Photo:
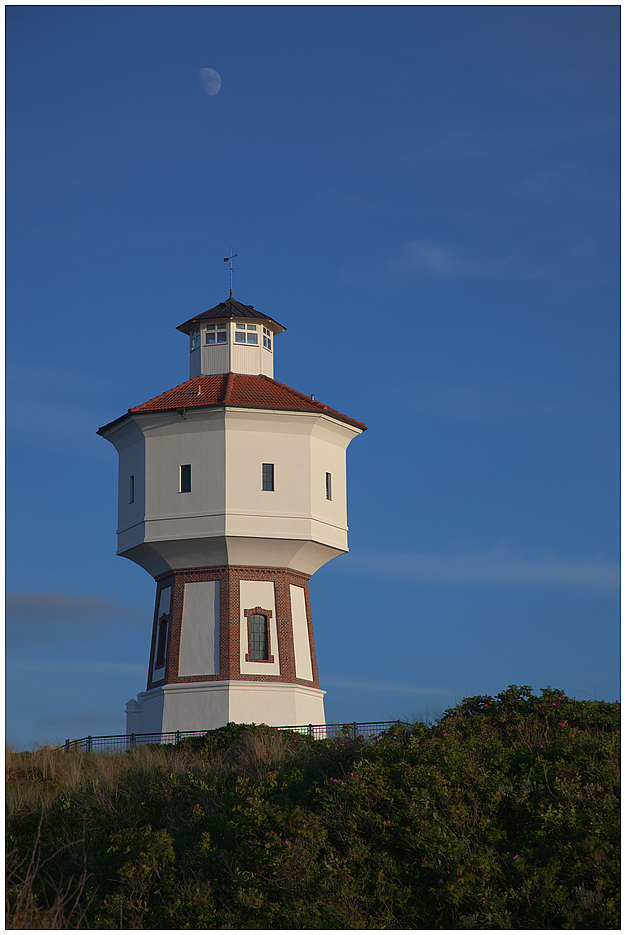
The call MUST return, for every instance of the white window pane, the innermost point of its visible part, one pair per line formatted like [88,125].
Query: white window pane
[210,338]
[253,339]
[221,337]
[240,327]
[240,338]
[251,327]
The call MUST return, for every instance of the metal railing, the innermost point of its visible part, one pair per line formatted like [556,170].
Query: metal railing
[116,743]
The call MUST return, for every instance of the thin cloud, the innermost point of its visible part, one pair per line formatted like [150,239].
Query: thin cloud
[501,402]
[53,617]
[437,259]
[566,183]
[460,145]
[346,681]
[498,567]
[74,665]
[86,721]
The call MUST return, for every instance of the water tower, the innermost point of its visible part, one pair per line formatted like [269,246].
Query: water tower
[232,493]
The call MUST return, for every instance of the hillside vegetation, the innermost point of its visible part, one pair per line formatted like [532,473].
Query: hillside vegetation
[504,814]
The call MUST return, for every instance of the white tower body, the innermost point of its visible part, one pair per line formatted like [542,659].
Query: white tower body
[232,493]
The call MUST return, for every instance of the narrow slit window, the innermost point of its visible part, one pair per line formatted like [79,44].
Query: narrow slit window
[195,339]
[329,486]
[159,662]
[185,478]
[268,477]
[258,637]
[131,490]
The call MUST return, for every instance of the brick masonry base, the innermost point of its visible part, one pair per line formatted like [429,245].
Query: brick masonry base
[230,630]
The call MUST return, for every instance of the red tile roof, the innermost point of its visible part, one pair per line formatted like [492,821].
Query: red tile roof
[237,389]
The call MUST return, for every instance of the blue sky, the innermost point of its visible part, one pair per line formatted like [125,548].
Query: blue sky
[427,197]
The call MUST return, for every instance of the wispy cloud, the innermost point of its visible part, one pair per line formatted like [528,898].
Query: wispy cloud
[438,259]
[497,567]
[346,681]
[460,145]
[495,402]
[73,665]
[53,617]
[83,721]
[566,183]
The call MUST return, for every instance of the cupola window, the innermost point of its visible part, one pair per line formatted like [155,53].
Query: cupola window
[267,339]
[246,334]
[216,334]
[195,339]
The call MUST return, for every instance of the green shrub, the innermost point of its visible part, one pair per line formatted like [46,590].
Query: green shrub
[504,814]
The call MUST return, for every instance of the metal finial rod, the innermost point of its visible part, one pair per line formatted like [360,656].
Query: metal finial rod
[230,267]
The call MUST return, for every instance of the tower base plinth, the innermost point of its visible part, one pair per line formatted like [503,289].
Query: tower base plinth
[208,705]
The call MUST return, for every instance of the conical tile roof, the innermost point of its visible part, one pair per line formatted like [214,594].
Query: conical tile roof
[236,390]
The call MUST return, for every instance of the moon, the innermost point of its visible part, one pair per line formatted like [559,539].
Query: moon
[210,81]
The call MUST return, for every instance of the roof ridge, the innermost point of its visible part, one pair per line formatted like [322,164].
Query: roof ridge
[179,387]
[228,392]
[296,392]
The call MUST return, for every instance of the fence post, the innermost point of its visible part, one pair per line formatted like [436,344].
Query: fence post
[89,744]
[177,736]
[310,730]
[354,730]
[133,741]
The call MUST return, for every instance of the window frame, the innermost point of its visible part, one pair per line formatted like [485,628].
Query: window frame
[260,612]
[268,477]
[329,485]
[184,478]
[216,330]
[131,489]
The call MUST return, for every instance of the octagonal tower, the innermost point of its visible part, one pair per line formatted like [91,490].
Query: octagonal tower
[232,493]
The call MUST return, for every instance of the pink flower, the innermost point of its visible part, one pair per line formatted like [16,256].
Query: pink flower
[541,746]
[561,723]
[515,856]
[439,881]
[555,704]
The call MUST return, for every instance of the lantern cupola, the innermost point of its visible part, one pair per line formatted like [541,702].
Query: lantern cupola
[231,338]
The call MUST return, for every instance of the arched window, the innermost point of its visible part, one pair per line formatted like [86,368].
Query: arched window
[259,648]
[258,637]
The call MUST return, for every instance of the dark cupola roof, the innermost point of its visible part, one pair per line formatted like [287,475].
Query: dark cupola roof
[229,309]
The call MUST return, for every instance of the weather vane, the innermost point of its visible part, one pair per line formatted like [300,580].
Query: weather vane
[230,267]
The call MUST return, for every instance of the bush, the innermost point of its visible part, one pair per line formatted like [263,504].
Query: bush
[504,814]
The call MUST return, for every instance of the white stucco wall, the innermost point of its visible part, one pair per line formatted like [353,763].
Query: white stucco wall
[199,640]
[207,705]
[227,511]
[301,645]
